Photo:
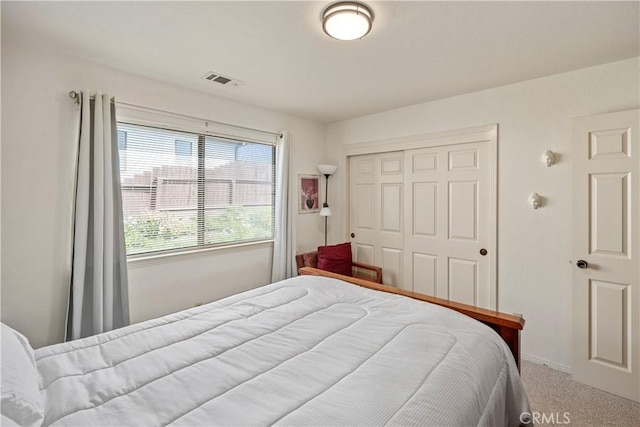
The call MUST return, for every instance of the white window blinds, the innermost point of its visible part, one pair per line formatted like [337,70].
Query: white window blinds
[187,189]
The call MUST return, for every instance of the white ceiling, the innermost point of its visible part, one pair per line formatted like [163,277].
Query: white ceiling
[416,52]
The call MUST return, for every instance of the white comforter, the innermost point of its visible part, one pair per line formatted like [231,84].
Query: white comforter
[304,351]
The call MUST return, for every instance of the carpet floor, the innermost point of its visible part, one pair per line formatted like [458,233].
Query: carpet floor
[559,400]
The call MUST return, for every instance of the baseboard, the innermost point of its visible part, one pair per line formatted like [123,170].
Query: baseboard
[552,365]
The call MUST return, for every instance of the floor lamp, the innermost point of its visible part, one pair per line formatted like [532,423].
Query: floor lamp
[327,171]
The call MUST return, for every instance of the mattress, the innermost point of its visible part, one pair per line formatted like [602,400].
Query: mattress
[305,351]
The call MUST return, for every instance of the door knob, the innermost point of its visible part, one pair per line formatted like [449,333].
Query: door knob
[353,234]
[582,264]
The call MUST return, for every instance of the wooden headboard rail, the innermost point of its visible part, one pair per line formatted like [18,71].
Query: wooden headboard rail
[506,325]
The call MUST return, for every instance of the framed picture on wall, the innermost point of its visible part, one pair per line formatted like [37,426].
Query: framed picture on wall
[308,199]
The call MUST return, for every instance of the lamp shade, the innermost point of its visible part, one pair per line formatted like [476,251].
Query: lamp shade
[325,211]
[347,20]
[327,169]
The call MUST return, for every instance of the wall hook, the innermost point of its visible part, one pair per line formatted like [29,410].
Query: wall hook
[549,158]
[535,200]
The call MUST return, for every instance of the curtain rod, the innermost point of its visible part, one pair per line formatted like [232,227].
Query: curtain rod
[76,96]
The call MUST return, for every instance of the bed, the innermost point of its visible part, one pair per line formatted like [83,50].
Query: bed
[310,350]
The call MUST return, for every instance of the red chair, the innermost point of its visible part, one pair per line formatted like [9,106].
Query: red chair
[360,270]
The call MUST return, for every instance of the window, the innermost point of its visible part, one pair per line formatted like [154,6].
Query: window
[122,149]
[122,140]
[184,190]
[183,148]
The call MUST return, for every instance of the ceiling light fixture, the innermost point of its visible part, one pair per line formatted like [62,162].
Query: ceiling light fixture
[347,20]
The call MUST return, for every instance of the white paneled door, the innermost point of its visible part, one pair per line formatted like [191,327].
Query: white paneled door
[376,219]
[427,214]
[606,246]
[447,233]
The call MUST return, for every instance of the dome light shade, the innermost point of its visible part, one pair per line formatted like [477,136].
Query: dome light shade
[347,20]
[325,212]
[327,169]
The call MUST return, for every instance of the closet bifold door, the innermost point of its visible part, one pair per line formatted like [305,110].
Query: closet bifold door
[376,213]
[447,217]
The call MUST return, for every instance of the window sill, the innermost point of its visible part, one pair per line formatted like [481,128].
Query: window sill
[162,258]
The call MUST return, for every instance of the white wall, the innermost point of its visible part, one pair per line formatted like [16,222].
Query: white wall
[534,247]
[38,155]
[37,167]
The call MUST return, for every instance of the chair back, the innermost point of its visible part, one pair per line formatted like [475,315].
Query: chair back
[361,270]
[307,259]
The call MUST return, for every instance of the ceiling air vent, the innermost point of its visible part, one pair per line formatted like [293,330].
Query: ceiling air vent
[223,80]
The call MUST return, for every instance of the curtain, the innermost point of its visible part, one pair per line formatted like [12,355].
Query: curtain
[99,294]
[284,237]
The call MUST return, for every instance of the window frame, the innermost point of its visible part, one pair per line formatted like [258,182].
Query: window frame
[201,208]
